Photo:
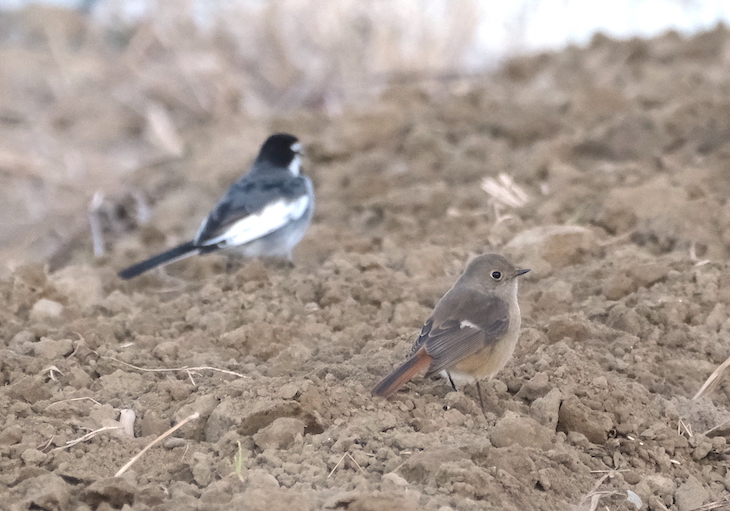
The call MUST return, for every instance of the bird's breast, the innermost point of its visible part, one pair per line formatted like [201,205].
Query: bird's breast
[490,360]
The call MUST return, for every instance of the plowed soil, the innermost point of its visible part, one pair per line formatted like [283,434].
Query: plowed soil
[622,150]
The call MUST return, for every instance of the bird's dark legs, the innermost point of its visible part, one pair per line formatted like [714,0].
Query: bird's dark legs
[481,400]
[451,381]
[479,392]
[234,261]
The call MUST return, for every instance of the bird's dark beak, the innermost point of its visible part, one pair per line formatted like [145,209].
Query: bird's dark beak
[521,272]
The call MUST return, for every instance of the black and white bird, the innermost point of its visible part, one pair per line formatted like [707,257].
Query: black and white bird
[263,214]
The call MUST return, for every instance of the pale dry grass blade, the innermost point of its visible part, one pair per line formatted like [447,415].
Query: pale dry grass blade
[348,455]
[187,369]
[161,130]
[589,501]
[713,379]
[85,398]
[157,440]
[718,505]
[715,428]
[87,436]
[505,191]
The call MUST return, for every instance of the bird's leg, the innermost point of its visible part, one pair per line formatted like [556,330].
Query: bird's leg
[481,401]
[234,262]
[277,263]
[451,381]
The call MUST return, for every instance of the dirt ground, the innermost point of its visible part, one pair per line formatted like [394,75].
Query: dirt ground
[622,150]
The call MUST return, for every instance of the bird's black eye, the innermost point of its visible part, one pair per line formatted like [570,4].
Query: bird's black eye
[496,275]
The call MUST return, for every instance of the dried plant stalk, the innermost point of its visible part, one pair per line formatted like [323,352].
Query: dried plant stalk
[713,380]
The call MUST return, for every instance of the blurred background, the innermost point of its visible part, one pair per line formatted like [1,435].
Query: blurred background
[98,94]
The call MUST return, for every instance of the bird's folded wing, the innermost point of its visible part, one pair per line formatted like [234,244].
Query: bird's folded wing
[451,340]
[233,230]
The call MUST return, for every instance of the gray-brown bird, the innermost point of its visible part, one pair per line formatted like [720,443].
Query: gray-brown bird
[472,331]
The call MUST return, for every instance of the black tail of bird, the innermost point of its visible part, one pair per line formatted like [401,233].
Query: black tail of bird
[172,255]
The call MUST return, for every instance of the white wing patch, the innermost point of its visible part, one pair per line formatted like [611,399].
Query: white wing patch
[467,324]
[256,225]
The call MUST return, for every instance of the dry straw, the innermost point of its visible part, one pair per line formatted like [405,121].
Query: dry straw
[713,380]
[155,442]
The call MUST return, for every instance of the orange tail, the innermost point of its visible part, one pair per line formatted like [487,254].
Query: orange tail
[396,379]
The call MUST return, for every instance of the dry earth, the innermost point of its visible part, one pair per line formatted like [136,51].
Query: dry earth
[623,151]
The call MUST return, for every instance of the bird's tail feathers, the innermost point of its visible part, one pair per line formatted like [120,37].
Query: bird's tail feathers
[167,257]
[391,383]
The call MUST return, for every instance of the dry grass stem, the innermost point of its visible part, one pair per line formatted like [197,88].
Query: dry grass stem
[155,442]
[76,399]
[723,503]
[505,191]
[693,255]
[189,370]
[51,370]
[681,425]
[589,502]
[347,454]
[45,445]
[713,380]
[87,436]
[713,428]
[616,239]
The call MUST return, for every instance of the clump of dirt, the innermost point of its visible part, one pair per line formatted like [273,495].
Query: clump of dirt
[621,151]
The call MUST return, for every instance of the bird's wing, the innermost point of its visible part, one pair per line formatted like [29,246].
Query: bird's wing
[464,329]
[253,208]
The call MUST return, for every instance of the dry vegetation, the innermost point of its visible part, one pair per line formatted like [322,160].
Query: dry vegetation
[604,169]
[97,103]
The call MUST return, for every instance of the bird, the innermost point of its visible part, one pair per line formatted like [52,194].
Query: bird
[471,332]
[265,213]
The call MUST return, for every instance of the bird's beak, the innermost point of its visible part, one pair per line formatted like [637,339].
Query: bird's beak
[521,272]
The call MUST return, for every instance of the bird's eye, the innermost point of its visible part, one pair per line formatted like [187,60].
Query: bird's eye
[496,275]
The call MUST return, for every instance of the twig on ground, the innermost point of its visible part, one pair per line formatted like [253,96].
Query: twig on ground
[693,255]
[87,436]
[713,428]
[594,495]
[505,191]
[347,454]
[687,428]
[616,239]
[713,379]
[155,442]
[75,399]
[51,370]
[45,445]
[717,505]
[188,370]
